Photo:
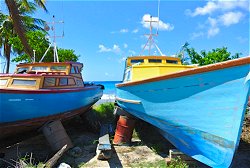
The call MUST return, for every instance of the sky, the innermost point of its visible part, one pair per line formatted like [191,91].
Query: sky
[104,33]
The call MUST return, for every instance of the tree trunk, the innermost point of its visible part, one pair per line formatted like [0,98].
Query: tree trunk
[7,48]
[18,26]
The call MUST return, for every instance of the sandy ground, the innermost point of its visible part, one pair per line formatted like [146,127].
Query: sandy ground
[122,156]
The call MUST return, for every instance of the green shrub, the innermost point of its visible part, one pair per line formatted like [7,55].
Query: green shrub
[177,163]
[104,111]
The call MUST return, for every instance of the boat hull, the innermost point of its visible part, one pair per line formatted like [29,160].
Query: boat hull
[201,113]
[25,110]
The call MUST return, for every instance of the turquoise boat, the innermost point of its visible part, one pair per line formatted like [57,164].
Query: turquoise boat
[199,110]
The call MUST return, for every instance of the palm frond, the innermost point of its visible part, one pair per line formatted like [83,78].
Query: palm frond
[41,3]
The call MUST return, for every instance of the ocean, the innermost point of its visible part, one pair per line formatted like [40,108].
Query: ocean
[109,91]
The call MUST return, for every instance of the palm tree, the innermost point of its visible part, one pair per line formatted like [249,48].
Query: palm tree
[7,30]
[18,23]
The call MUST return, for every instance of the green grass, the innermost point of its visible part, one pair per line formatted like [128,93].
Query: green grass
[175,163]
[104,112]
[29,162]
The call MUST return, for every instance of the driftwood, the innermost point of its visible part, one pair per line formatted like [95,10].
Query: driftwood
[52,161]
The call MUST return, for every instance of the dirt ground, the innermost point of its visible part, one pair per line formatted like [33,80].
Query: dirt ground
[142,149]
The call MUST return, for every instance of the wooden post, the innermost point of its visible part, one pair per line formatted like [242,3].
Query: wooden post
[56,135]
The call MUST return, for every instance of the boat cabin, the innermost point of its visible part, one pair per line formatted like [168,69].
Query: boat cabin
[52,75]
[142,67]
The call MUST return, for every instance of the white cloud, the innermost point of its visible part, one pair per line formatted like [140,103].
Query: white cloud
[207,9]
[233,4]
[102,48]
[156,24]
[125,45]
[224,13]
[116,49]
[212,6]
[135,31]
[230,18]
[196,35]
[132,52]
[124,31]
[213,29]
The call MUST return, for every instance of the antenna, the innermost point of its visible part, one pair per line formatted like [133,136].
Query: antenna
[53,28]
[150,40]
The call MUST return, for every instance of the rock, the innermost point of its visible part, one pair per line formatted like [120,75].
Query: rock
[75,152]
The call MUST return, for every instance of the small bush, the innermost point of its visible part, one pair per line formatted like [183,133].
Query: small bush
[177,163]
[104,112]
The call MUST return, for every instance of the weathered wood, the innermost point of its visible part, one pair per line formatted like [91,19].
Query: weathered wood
[104,147]
[52,161]
[56,135]
[104,142]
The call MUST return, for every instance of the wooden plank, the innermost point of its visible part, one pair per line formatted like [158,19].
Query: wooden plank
[104,142]
[104,147]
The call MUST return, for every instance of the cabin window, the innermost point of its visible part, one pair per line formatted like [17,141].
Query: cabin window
[73,71]
[71,81]
[39,68]
[3,82]
[154,60]
[137,61]
[49,81]
[172,61]
[22,70]
[58,68]
[63,81]
[24,82]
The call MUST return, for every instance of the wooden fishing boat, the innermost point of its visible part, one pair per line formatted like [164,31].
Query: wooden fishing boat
[40,92]
[199,110]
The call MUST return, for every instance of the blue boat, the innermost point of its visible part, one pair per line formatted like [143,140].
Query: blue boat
[41,92]
[199,110]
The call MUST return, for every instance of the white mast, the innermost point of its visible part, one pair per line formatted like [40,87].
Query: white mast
[150,40]
[53,28]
